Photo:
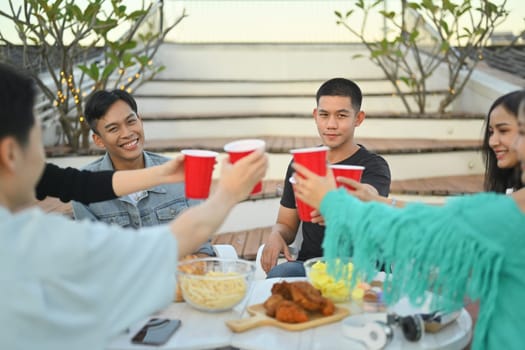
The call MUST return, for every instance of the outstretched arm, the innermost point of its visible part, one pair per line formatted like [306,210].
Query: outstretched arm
[73,184]
[313,190]
[367,193]
[129,181]
[89,187]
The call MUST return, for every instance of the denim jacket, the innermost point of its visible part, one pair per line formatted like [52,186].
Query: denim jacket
[156,206]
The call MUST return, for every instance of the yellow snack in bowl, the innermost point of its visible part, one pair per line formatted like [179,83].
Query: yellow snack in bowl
[358,293]
[337,291]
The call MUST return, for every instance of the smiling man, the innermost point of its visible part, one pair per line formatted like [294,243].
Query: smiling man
[117,127]
[337,115]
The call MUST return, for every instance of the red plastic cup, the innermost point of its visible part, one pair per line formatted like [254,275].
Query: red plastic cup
[351,171]
[313,158]
[198,169]
[241,148]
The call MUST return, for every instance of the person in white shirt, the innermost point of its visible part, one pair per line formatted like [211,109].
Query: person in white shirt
[75,285]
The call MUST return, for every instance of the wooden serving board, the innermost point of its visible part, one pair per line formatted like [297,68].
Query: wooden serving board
[259,318]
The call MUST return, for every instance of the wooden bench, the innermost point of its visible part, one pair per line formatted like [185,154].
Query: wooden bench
[246,242]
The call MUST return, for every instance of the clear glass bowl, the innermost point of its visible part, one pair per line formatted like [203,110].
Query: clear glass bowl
[336,290]
[215,284]
[368,297]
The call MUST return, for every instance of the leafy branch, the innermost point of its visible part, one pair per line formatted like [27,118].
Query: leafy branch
[418,42]
[72,51]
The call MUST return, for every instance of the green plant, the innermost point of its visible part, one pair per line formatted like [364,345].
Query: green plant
[410,52]
[72,51]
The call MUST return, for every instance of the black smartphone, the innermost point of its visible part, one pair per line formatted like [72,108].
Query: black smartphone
[156,332]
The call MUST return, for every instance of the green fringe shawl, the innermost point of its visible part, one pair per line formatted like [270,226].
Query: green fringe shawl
[430,248]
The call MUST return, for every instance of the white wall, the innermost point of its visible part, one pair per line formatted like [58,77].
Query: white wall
[265,61]
[481,90]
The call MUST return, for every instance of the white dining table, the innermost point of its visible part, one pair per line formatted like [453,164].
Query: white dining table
[203,330]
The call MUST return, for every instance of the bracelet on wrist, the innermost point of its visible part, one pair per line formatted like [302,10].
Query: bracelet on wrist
[393,202]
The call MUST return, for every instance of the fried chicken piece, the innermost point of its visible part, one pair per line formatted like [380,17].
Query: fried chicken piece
[283,289]
[289,312]
[271,304]
[290,302]
[327,308]
[304,294]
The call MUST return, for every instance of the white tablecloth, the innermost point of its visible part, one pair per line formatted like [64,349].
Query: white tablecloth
[201,330]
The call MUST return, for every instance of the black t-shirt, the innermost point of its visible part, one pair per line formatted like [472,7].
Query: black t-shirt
[376,173]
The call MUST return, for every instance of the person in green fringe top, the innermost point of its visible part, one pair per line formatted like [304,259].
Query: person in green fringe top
[470,247]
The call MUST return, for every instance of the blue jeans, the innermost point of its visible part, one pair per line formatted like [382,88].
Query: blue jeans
[287,269]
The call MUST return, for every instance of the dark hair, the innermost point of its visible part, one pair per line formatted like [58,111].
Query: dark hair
[497,179]
[17,97]
[100,101]
[341,87]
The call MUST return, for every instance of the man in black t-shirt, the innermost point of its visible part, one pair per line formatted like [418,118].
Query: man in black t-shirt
[337,115]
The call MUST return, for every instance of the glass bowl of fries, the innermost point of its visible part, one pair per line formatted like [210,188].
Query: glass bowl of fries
[215,284]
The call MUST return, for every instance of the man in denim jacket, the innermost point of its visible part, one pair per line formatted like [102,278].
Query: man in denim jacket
[117,127]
